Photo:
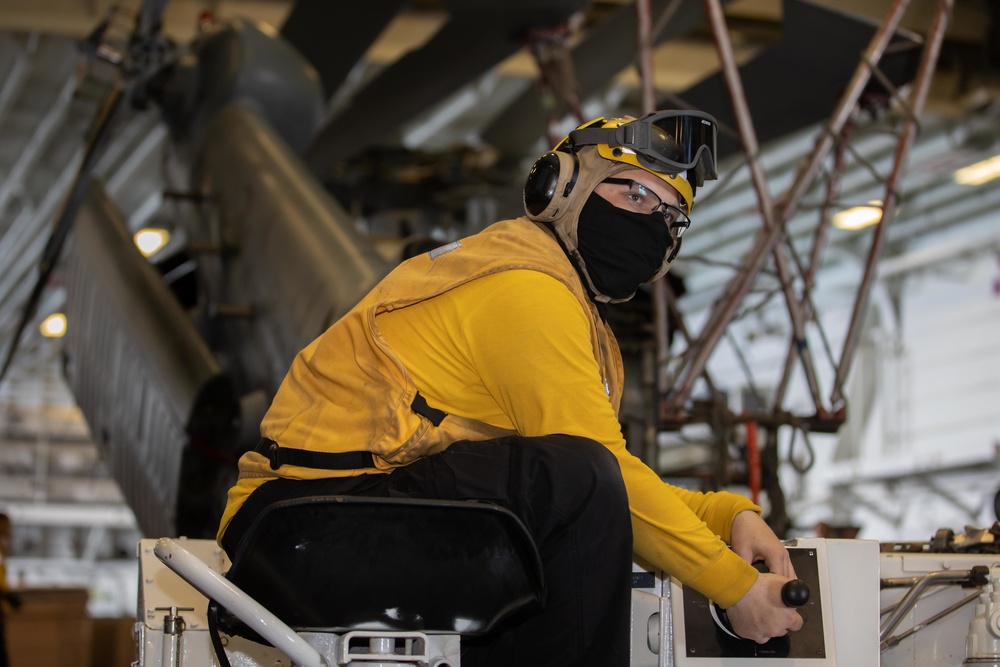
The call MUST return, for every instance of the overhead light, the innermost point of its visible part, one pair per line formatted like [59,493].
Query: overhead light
[53,326]
[979,173]
[150,240]
[859,217]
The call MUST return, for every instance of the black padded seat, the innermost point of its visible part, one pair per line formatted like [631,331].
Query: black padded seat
[339,563]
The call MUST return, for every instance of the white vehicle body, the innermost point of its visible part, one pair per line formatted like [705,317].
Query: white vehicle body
[854,616]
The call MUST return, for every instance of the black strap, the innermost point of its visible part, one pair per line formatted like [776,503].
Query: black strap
[419,405]
[304,458]
[213,633]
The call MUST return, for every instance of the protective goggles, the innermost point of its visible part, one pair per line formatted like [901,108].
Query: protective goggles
[668,142]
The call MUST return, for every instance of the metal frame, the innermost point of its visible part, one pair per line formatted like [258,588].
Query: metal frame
[678,381]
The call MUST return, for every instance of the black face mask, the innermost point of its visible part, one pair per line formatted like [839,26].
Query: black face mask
[621,249]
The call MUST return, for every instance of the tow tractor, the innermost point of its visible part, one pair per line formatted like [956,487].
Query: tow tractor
[324,582]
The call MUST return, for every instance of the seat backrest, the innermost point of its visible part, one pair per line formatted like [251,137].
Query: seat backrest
[344,562]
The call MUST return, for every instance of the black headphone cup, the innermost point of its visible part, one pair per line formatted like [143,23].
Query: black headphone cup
[551,178]
[540,186]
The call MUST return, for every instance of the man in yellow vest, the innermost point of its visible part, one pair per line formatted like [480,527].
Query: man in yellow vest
[485,370]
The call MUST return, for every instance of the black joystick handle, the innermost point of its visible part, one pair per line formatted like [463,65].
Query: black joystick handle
[795,593]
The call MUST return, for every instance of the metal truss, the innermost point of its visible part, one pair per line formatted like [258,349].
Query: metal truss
[678,375]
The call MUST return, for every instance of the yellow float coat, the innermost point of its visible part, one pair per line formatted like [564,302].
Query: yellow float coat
[497,332]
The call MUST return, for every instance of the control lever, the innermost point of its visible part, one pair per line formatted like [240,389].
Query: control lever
[795,593]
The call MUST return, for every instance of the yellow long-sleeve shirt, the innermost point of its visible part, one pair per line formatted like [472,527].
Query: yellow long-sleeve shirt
[513,349]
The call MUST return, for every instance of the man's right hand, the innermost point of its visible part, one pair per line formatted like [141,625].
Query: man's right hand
[760,614]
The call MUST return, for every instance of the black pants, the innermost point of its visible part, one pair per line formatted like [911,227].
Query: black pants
[569,493]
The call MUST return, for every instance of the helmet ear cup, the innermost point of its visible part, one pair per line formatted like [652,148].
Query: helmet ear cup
[549,184]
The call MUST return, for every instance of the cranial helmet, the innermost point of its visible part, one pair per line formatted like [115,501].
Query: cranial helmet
[676,146]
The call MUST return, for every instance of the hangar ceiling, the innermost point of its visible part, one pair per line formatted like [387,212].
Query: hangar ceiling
[438,105]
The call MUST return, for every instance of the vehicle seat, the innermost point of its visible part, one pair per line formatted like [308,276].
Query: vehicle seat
[339,563]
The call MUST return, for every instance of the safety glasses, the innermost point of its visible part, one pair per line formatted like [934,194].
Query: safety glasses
[644,200]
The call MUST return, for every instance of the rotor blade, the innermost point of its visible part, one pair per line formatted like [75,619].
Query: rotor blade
[603,52]
[110,110]
[334,36]
[472,42]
